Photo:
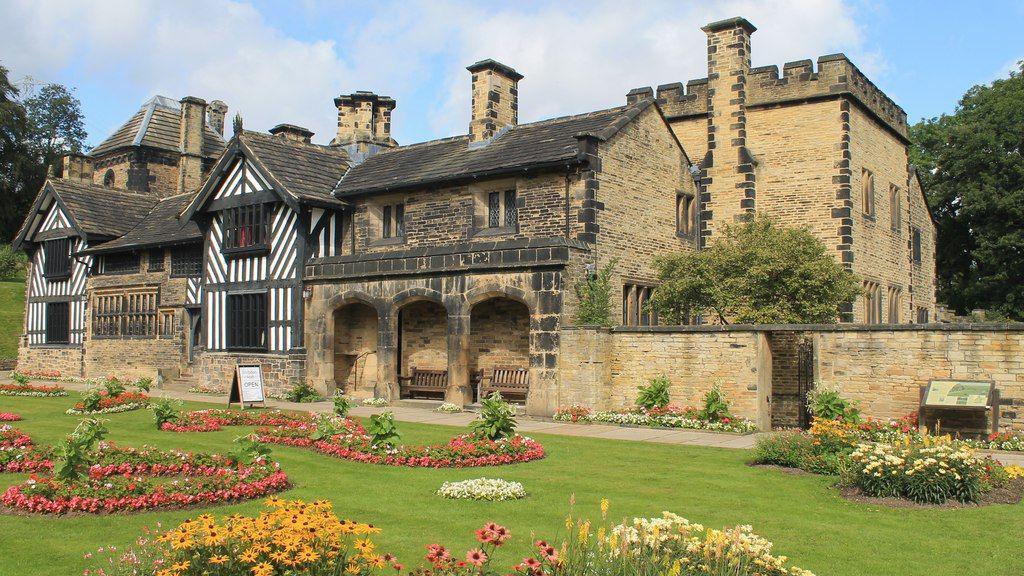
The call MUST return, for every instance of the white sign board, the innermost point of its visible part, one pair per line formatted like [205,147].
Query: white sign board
[248,384]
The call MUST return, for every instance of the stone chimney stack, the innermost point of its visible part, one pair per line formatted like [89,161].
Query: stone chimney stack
[729,179]
[292,132]
[364,122]
[190,164]
[215,114]
[77,167]
[495,99]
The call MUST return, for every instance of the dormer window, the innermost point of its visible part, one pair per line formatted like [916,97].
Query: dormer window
[246,228]
[57,258]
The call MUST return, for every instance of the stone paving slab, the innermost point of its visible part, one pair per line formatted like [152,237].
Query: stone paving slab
[526,424]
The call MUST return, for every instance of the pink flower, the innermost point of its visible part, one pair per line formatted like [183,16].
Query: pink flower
[476,557]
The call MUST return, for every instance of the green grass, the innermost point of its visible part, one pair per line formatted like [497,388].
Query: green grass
[806,519]
[12,310]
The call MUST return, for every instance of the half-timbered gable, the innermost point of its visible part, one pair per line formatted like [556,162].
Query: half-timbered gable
[265,210]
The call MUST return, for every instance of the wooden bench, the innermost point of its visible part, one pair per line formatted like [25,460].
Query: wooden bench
[510,381]
[431,382]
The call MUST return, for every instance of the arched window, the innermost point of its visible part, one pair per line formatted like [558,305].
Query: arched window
[684,213]
[108,179]
[868,192]
[895,208]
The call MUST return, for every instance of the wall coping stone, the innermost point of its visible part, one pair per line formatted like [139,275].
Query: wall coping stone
[932,327]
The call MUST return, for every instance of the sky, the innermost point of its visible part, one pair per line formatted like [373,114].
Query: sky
[284,62]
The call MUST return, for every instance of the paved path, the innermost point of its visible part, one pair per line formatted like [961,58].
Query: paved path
[425,415]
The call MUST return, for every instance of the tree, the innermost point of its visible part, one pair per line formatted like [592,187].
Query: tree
[34,133]
[594,293]
[756,272]
[972,169]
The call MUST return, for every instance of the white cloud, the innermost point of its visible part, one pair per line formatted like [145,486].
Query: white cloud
[575,57]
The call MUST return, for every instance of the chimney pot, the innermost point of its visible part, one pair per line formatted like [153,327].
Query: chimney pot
[364,122]
[495,99]
[215,114]
[292,132]
[190,163]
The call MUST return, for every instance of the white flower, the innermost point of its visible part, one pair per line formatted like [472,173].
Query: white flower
[492,489]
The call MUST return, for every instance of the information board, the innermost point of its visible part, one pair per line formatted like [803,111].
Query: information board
[247,387]
[958,393]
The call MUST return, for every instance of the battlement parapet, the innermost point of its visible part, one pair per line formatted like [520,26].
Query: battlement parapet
[835,76]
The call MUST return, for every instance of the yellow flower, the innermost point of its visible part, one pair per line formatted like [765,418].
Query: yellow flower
[218,559]
[180,566]
[250,556]
[263,569]
[604,507]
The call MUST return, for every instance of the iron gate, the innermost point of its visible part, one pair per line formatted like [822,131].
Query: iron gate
[804,380]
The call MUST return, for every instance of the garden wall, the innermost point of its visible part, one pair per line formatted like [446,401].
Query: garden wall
[884,367]
[881,366]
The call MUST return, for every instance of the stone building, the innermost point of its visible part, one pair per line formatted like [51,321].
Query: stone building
[113,273]
[817,147]
[365,265]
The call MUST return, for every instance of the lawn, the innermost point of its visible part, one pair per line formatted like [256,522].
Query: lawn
[806,519]
[12,310]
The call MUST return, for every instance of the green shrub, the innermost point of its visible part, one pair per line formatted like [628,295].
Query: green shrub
[114,387]
[716,407]
[383,430]
[248,449]
[594,293]
[11,262]
[789,449]
[325,428]
[654,395]
[73,452]
[302,392]
[828,404]
[826,463]
[91,400]
[19,378]
[144,384]
[165,410]
[497,418]
[342,404]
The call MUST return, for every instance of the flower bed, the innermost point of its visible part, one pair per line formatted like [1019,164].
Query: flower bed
[448,408]
[1000,441]
[924,473]
[38,390]
[213,420]
[664,417]
[19,454]
[205,389]
[491,489]
[463,451]
[108,404]
[9,417]
[375,402]
[126,479]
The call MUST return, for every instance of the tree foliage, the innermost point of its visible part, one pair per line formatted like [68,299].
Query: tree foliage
[36,128]
[756,272]
[594,293]
[972,169]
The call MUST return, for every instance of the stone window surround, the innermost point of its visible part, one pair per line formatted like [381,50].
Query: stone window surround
[635,294]
[481,208]
[867,202]
[375,208]
[896,209]
[872,302]
[686,214]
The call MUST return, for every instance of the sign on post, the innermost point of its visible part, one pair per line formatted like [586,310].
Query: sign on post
[247,387]
[961,395]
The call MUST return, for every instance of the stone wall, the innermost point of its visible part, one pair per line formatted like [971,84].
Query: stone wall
[355,349]
[281,372]
[68,360]
[424,337]
[884,368]
[602,368]
[499,335]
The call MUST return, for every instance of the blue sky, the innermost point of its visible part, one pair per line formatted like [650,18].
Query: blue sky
[276,61]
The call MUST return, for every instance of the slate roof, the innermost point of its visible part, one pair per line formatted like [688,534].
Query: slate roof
[102,211]
[160,227]
[157,124]
[305,171]
[548,142]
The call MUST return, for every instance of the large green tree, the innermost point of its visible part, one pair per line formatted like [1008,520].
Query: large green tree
[756,272]
[34,133]
[972,168]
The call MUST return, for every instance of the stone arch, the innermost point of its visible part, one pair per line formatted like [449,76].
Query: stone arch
[415,294]
[419,319]
[355,347]
[499,332]
[492,290]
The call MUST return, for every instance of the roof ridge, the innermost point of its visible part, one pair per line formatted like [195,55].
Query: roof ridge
[271,138]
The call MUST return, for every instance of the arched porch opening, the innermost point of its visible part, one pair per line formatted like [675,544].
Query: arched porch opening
[355,349]
[422,347]
[499,344]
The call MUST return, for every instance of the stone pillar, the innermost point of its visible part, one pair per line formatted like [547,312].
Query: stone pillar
[459,391]
[495,99]
[729,165]
[215,114]
[190,164]
[387,357]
